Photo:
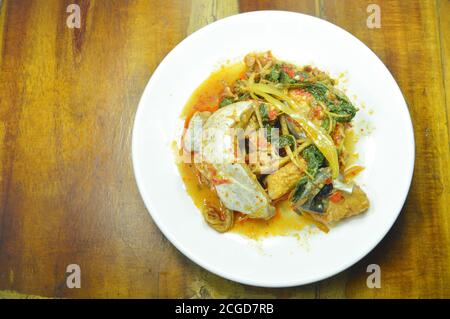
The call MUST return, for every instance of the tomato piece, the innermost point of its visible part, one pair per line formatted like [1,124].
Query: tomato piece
[290,72]
[272,114]
[336,197]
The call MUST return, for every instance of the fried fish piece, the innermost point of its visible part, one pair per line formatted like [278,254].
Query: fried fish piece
[351,204]
[283,180]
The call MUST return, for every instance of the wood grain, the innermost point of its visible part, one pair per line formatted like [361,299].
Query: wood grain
[443,12]
[412,256]
[67,190]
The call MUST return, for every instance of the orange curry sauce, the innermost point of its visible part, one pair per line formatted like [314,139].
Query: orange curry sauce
[206,98]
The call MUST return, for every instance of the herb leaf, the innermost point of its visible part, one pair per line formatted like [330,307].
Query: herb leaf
[264,111]
[285,79]
[299,189]
[274,74]
[314,159]
[243,96]
[344,107]
[340,106]
[285,140]
[325,123]
[226,101]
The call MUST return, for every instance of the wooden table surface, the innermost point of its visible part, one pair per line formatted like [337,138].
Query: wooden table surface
[67,190]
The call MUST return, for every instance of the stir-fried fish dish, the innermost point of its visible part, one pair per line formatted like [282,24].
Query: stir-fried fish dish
[264,133]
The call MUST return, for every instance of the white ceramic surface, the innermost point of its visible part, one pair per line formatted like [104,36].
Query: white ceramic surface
[387,152]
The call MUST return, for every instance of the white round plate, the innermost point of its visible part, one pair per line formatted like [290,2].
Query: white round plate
[387,152]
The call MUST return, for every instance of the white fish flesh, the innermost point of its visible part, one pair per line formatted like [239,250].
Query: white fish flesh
[236,186]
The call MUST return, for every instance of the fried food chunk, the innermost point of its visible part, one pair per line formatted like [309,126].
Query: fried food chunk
[282,181]
[351,204]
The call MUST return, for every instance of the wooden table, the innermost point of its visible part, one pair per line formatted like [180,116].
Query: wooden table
[67,190]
